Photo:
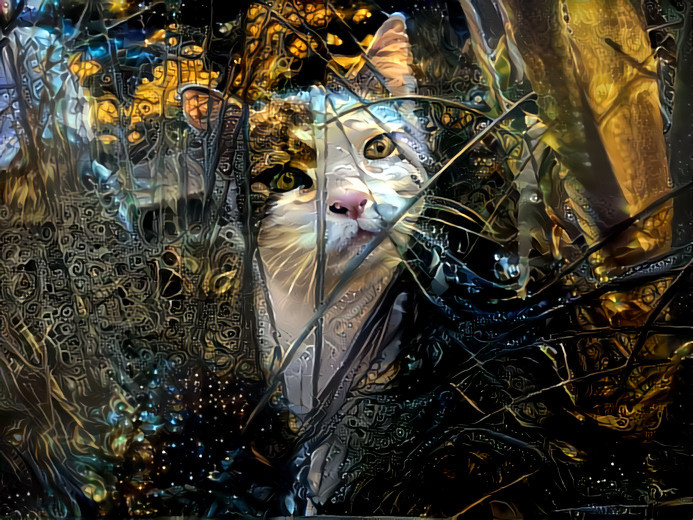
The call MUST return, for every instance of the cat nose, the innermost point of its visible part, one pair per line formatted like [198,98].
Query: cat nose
[351,203]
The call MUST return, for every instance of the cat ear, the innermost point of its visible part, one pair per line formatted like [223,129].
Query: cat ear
[202,107]
[390,55]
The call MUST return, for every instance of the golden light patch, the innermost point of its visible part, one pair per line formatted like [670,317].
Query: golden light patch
[107,113]
[157,37]
[160,96]
[333,39]
[117,6]
[360,15]
[298,48]
[347,62]
[83,69]
[319,17]
[107,139]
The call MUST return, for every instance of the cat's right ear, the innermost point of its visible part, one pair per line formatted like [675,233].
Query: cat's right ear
[202,107]
[390,55]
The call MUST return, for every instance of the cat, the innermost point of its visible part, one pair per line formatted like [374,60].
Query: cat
[371,153]
[346,154]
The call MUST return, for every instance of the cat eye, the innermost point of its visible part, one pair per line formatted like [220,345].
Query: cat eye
[290,179]
[380,147]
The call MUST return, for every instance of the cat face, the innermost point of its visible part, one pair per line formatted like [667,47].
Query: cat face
[347,157]
[370,162]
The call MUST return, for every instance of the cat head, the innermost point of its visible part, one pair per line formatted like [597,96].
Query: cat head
[346,153]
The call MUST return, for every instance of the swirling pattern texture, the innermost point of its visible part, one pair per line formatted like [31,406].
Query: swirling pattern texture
[528,358]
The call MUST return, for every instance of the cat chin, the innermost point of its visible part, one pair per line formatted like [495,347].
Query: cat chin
[292,268]
[347,239]
[293,301]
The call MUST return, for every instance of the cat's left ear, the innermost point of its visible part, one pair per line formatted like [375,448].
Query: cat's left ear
[390,55]
[202,107]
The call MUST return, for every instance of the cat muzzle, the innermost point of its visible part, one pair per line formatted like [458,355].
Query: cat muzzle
[387,211]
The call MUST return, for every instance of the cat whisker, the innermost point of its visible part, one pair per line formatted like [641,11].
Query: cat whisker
[441,203]
[312,279]
[465,229]
[277,254]
[281,253]
[277,257]
[300,270]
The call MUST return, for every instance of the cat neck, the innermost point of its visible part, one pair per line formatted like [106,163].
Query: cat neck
[340,326]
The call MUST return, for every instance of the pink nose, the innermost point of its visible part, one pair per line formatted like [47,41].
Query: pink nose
[351,203]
